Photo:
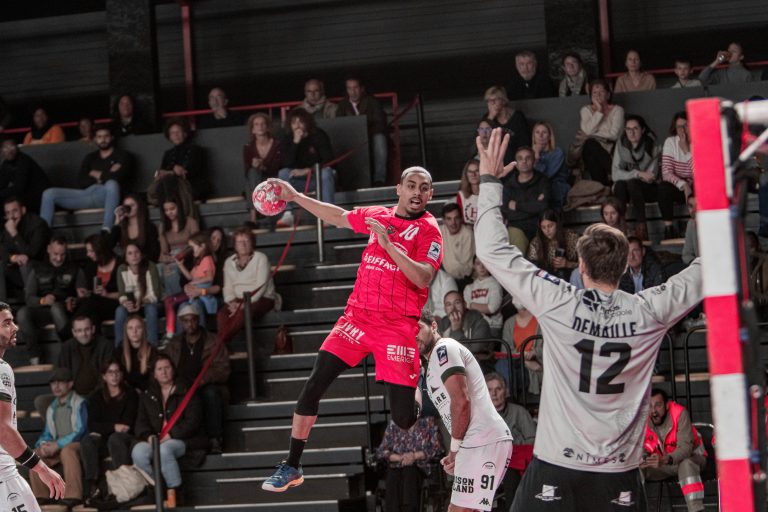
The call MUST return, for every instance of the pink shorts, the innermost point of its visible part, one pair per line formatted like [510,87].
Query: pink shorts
[390,338]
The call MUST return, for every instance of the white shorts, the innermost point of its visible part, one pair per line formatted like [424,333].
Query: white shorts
[478,473]
[16,495]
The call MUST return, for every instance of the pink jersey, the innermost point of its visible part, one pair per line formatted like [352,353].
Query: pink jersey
[381,285]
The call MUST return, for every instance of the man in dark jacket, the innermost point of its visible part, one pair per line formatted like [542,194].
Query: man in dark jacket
[464,324]
[84,354]
[526,194]
[644,268]
[20,176]
[527,82]
[23,239]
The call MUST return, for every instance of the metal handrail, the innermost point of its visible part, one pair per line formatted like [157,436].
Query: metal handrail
[686,362]
[503,343]
[523,348]
[669,71]
[671,350]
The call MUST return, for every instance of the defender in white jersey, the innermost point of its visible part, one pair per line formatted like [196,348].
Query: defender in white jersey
[15,494]
[600,348]
[481,444]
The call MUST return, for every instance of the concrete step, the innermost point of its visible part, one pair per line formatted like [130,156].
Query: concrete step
[269,459]
[347,384]
[327,435]
[284,409]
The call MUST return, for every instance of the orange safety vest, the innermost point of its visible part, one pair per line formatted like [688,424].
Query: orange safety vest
[652,444]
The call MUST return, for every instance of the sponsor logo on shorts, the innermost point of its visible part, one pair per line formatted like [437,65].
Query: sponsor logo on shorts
[400,354]
[624,499]
[490,466]
[434,251]
[442,355]
[485,502]
[548,493]
[349,331]
[463,484]
[547,276]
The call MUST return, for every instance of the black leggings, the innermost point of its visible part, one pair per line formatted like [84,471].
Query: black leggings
[638,193]
[402,401]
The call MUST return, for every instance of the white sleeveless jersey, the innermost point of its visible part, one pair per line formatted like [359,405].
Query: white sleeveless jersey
[449,357]
[599,350]
[7,394]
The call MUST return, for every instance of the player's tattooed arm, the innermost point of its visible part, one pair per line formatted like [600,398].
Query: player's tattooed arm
[329,213]
[418,273]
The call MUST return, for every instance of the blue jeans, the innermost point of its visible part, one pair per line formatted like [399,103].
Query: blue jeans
[379,141]
[106,195]
[327,177]
[150,322]
[169,452]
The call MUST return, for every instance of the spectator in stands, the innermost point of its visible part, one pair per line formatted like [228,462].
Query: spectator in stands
[112,410]
[66,422]
[683,74]
[220,252]
[500,114]
[691,243]
[248,270]
[635,79]
[458,245]
[550,161]
[175,232]
[189,351]
[644,269]
[441,284]
[156,407]
[21,177]
[517,329]
[674,449]
[553,248]
[575,82]
[526,195]
[484,295]
[601,125]
[126,117]
[484,128]
[676,172]
[527,82]
[23,239]
[140,290]
[101,177]
[262,156]
[50,295]
[98,298]
[315,101]
[469,188]
[132,224]
[634,170]
[83,354]
[42,130]
[182,172]
[220,116]
[85,129]
[614,213]
[137,354]
[735,73]
[464,324]
[305,146]
[408,454]
[358,102]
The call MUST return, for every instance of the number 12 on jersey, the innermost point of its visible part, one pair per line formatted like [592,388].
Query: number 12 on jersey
[604,387]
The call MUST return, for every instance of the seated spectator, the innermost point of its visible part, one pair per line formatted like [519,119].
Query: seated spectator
[553,248]
[141,289]
[132,224]
[98,299]
[676,172]
[182,172]
[137,354]
[575,82]
[458,245]
[200,276]
[527,82]
[357,102]
[635,79]
[21,177]
[735,73]
[262,156]
[43,131]
[674,449]
[549,160]
[126,118]
[175,232]
[691,243]
[614,213]
[66,422]
[469,191]
[644,269]
[464,324]
[526,195]
[500,114]
[23,240]
[84,354]
[112,410]
[484,295]
[516,331]
[483,132]
[601,125]
[101,177]
[249,271]
[305,146]
[188,352]
[50,293]
[220,116]
[441,284]
[683,74]
[220,252]
[156,407]
[85,129]
[634,170]
[408,454]
[315,101]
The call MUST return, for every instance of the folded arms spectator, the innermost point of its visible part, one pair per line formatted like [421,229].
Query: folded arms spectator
[526,196]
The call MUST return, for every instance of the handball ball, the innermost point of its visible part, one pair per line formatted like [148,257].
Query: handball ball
[266,198]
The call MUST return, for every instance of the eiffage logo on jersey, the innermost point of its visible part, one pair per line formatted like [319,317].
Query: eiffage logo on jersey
[400,354]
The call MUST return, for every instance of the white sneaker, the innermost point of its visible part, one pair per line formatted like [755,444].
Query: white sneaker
[286,221]
[34,361]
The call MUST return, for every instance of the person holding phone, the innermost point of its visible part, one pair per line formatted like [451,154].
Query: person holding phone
[141,289]
[553,248]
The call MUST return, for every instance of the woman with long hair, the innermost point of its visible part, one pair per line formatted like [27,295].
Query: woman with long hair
[550,161]
[137,353]
[614,213]
[132,224]
[99,299]
[553,248]
[469,191]
[262,156]
[175,231]
[140,291]
[676,172]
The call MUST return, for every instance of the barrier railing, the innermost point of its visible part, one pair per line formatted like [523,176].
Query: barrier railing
[671,71]
[503,345]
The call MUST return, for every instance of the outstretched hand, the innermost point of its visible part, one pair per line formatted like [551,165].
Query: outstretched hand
[51,479]
[287,192]
[492,157]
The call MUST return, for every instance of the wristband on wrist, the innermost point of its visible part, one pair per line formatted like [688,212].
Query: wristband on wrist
[455,444]
[28,458]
